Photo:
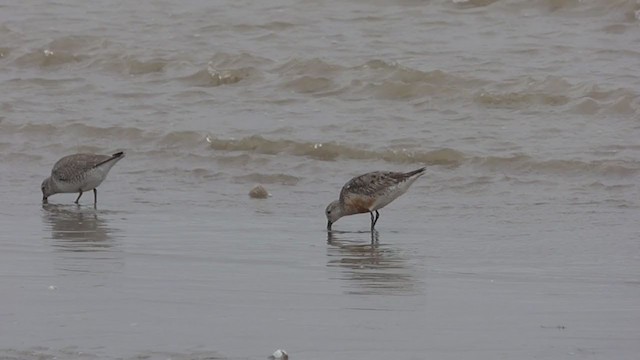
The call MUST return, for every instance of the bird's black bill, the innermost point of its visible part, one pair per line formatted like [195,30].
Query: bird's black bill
[329,223]
[45,200]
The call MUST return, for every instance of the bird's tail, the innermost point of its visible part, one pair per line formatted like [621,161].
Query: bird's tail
[416,172]
[118,155]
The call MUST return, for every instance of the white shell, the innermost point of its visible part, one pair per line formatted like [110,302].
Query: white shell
[279,355]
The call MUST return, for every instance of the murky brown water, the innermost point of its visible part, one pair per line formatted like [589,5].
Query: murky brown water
[520,242]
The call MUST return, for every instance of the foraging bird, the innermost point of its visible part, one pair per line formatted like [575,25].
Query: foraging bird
[369,193]
[79,173]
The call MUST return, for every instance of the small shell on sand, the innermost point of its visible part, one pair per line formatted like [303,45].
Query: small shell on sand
[259,192]
[279,355]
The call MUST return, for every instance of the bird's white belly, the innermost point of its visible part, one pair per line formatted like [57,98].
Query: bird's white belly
[90,181]
[385,198]
[393,192]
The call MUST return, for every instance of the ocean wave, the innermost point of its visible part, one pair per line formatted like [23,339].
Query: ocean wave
[308,67]
[122,62]
[310,76]
[48,58]
[378,78]
[526,90]
[211,77]
[193,145]
[236,60]
[88,52]
[393,81]
[70,133]
[618,100]
[271,26]
[571,7]
[529,165]
[61,51]
[472,3]
[138,67]
[447,157]
[308,84]
[582,98]
[123,135]
[331,151]
[282,179]
[372,78]
[226,69]
[180,138]
[519,100]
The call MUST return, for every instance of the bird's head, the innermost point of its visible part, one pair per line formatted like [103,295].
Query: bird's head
[333,213]
[47,189]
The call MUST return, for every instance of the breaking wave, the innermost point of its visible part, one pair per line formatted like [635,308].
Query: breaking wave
[332,151]
[239,152]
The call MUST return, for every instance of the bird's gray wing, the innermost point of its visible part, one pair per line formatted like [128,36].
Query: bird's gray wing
[72,166]
[372,183]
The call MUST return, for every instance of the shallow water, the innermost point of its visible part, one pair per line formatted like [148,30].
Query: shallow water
[521,241]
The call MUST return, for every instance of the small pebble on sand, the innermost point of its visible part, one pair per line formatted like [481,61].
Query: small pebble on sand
[259,192]
[279,355]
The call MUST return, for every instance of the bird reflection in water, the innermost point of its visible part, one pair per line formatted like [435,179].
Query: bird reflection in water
[369,268]
[82,237]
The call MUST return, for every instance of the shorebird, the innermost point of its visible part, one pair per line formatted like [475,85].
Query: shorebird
[78,173]
[369,193]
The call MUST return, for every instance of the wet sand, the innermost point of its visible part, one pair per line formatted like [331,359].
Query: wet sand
[442,279]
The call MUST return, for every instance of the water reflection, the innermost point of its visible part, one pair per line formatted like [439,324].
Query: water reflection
[369,267]
[82,238]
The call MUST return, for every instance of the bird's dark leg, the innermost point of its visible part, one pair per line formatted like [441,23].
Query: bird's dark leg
[95,196]
[376,220]
[373,222]
[78,196]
